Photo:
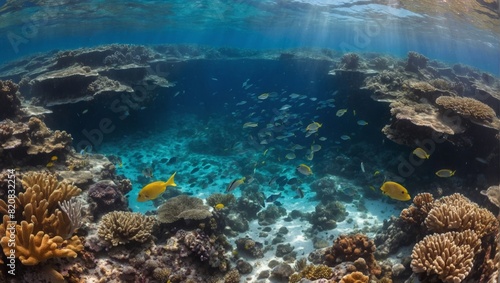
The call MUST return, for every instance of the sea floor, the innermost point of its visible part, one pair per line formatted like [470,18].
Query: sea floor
[165,155]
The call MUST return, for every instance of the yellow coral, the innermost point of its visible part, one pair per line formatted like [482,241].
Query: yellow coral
[312,272]
[449,256]
[32,249]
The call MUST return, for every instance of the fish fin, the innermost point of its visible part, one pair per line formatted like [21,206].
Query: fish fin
[171,181]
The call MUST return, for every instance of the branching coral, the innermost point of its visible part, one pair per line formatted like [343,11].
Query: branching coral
[183,207]
[416,213]
[458,213]
[45,231]
[449,256]
[467,107]
[121,227]
[33,248]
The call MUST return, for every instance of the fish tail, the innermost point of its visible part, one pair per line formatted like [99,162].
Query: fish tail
[171,181]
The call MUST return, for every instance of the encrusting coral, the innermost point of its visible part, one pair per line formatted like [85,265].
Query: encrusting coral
[312,272]
[45,231]
[122,227]
[183,207]
[449,256]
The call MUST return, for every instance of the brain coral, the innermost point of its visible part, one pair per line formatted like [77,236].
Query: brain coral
[121,227]
[467,107]
[448,256]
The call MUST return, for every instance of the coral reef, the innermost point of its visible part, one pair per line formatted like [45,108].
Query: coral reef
[325,217]
[225,199]
[449,256]
[469,108]
[31,143]
[9,100]
[415,62]
[270,215]
[250,247]
[41,231]
[351,248]
[107,196]
[312,272]
[355,277]
[350,61]
[207,249]
[183,207]
[458,213]
[122,227]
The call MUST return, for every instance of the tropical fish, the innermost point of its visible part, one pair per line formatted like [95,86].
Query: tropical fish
[263,96]
[154,189]
[315,147]
[345,137]
[86,150]
[309,155]
[304,169]
[147,172]
[341,112]
[53,158]
[421,153]
[299,192]
[50,164]
[285,107]
[234,184]
[322,139]
[362,122]
[219,206]
[376,173]
[372,188]
[395,191]
[290,156]
[314,126]
[362,165]
[250,125]
[243,102]
[273,197]
[445,173]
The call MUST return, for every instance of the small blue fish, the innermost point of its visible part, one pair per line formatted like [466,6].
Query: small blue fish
[273,198]
[362,123]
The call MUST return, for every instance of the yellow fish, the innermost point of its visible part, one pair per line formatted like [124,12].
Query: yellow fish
[421,153]
[304,169]
[341,112]
[50,164]
[445,173]
[153,190]
[314,126]
[395,191]
[376,173]
[53,158]
[219,206]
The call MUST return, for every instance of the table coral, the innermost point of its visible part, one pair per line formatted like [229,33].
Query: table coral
[183,207]
[448,256]
[121,227]
[470,108]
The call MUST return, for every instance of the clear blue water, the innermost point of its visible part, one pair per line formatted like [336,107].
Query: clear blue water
[437,29]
